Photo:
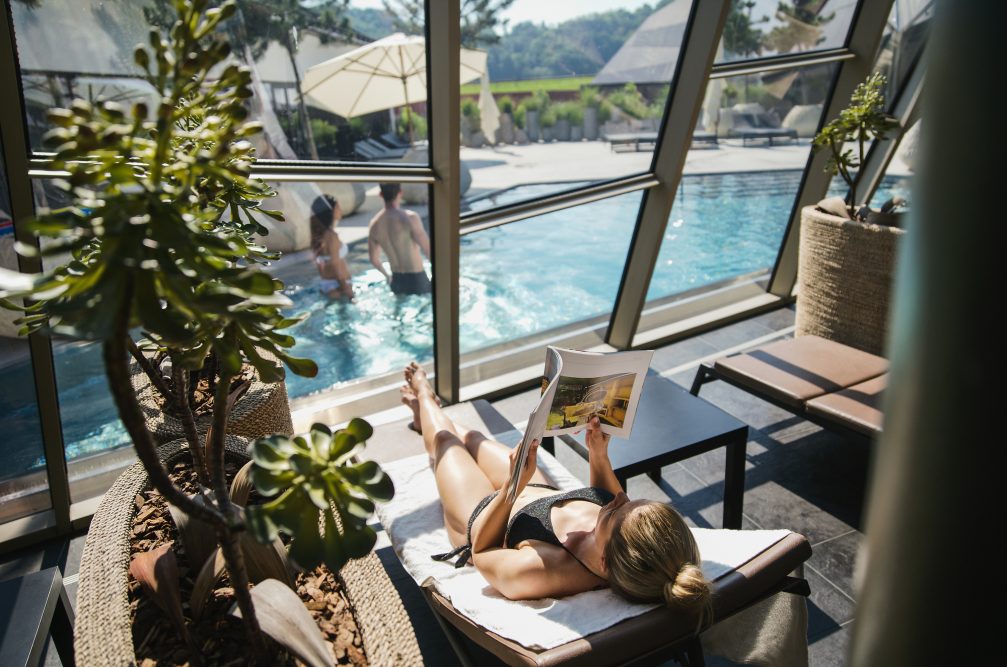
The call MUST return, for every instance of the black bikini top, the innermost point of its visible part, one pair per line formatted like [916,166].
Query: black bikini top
[534,520]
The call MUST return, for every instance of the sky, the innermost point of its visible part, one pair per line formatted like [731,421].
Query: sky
[544,11]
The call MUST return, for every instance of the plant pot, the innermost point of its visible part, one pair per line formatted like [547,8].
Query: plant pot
[562,130]
[590,123]
[103,635]
[505,133]
[576,133]
[263,410]
[531,126]
[548,133]
[844,277]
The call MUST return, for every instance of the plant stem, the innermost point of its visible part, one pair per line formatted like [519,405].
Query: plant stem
[229,545]
[115,352]
[181,379]
[153,373]
[235,561]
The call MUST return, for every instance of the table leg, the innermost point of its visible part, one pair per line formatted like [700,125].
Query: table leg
[655,476]
[62,629]
[734,481]
[549,444]
[622,479]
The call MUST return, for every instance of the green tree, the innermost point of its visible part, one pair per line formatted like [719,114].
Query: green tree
[480,19]
[280,21]
[742,36]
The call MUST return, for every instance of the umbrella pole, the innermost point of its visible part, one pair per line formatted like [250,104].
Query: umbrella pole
[409,112]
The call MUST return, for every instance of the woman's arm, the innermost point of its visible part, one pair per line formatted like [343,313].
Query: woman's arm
[602,475]
[489,528]
[533,572]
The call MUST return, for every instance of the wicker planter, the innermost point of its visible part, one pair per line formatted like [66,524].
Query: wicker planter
[103,635]
[844,278]
[263,410]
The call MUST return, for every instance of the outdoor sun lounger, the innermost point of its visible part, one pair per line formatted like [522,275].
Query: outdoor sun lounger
[650,636]
[391,139]
[635,141]
[374,151]
[833,385]
[760,126]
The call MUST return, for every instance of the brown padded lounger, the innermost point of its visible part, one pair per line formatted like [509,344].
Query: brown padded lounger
[834,385]
[656,635]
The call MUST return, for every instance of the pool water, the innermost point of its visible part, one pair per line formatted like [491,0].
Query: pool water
[515,280]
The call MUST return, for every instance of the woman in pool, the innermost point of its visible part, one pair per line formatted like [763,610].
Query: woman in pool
[547,543]
[329,251]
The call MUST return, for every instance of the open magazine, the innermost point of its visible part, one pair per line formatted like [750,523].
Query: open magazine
[578,386]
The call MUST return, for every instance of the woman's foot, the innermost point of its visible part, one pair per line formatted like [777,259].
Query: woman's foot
[416,381]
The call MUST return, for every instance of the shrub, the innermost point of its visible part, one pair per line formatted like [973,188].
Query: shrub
[630,101]
[325,133]
[506,105]
[470,112]
[519,115]
[419,124]
[570,111]
[547,117]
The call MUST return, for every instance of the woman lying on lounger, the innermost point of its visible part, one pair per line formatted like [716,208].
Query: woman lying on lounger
[548,543]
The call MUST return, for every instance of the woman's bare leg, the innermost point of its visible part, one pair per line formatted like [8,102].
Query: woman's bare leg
[460,482]
[492,457]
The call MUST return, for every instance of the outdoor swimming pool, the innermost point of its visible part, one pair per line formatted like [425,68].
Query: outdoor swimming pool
[516,280]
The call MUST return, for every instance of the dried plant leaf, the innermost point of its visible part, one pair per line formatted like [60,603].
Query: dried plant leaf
[282,616]
[265,561]
[209,575]
[241,485]
[198,537]
[157,572]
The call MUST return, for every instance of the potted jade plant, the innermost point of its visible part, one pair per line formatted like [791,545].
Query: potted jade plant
[847,251]
[159,229]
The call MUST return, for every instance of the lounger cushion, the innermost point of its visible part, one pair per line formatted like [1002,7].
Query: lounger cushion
[415,525]
[858,407]
[796,370]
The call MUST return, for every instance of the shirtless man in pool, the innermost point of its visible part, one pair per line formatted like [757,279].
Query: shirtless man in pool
[400,234]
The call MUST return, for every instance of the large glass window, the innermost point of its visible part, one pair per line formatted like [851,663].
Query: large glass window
[573,93]
[24,488]
[379,330]
[737,190]
[356,77]
[758,28]
[544,273]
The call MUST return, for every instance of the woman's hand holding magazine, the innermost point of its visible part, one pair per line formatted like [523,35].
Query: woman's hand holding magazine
[530,465]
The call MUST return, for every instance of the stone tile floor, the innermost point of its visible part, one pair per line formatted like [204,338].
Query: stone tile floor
[797,477]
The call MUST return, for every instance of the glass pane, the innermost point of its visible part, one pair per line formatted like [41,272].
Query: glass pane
[505,297]
[379,331]
[756,28]
[906,32]
[95,442]
[574,94]
[24,487]
[740,178]
[347,115]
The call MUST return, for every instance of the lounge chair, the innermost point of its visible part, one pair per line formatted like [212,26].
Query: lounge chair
[414,523]
[373,151]
[392,140]
[833,385]
[759,126]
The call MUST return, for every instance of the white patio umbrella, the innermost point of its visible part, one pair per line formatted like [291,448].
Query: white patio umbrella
[390,72]
[489,112]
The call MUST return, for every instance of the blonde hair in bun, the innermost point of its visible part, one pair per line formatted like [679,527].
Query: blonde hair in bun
[653,557]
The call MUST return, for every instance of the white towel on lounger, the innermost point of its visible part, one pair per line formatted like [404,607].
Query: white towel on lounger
[414,522]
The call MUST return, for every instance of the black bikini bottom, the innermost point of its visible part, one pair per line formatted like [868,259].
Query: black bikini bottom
[464,552]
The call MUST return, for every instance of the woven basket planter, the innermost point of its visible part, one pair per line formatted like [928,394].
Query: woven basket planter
[103,636]
[844,277]
[263,410]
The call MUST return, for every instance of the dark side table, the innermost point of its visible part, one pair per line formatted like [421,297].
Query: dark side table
[32,608]
[673,425]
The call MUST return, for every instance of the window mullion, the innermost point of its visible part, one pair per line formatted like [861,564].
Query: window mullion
[444,95]
[685,101]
